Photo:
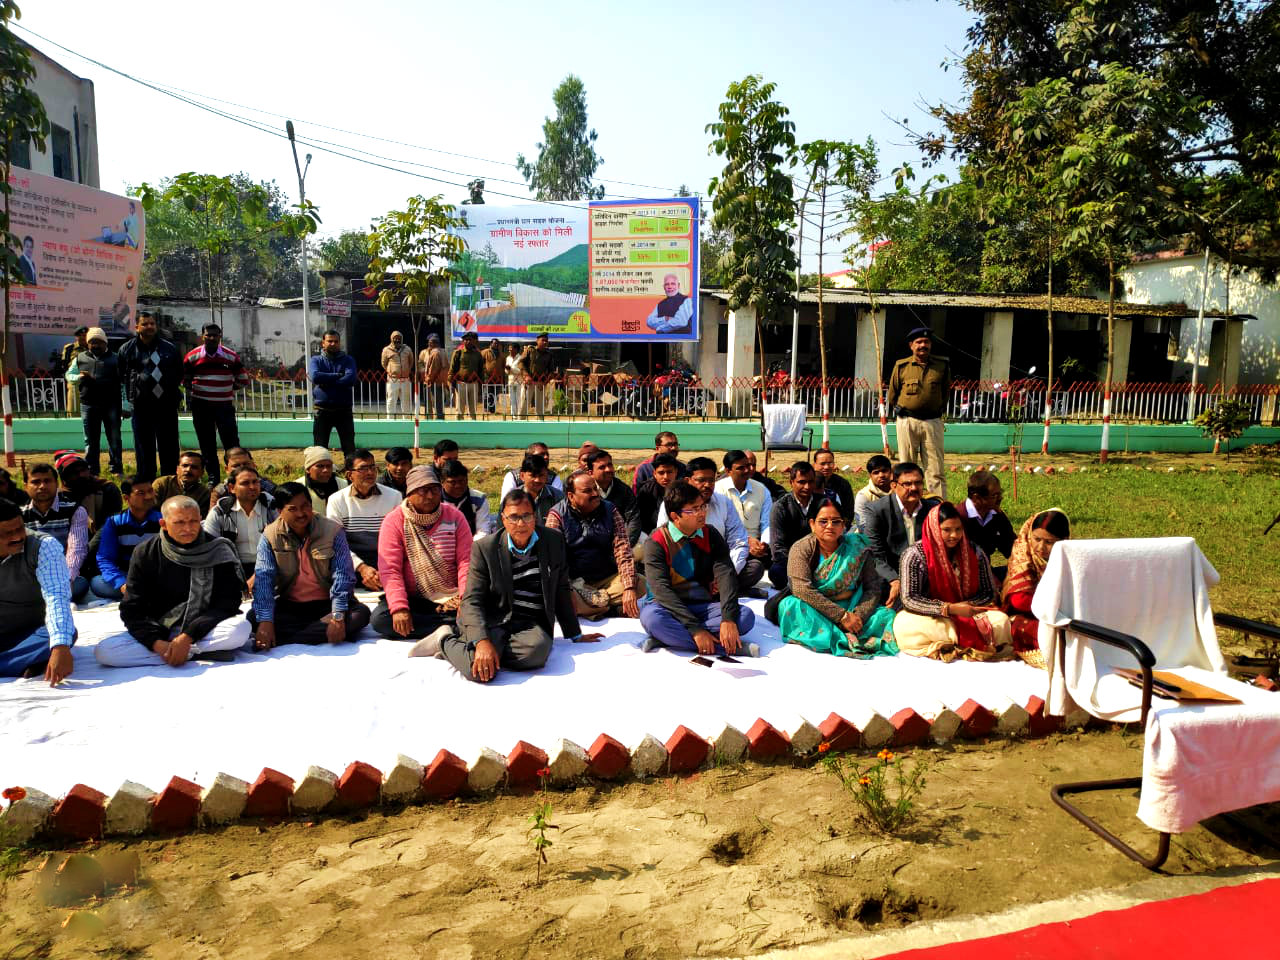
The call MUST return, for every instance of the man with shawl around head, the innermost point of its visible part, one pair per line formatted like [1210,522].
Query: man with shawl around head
[948,599]
[182,596]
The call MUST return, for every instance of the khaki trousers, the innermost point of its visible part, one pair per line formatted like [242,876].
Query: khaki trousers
[920,441]
[611,585]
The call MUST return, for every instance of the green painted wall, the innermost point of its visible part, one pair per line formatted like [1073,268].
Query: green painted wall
[43,435]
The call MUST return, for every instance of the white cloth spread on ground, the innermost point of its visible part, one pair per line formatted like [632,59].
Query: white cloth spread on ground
[298,706]
[1198,759]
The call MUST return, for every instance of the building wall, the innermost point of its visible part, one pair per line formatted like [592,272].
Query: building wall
[273,334]
[69,102]
[1179,279]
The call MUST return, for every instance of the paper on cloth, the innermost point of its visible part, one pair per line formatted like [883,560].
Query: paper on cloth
[1156,589]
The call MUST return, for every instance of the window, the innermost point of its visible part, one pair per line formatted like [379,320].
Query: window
[20,153]
[60,149]
[722,338]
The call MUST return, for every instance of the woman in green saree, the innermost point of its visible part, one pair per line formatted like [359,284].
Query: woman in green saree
[835,604]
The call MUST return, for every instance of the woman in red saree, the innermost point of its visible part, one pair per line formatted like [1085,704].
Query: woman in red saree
[1026,566]
[948,599]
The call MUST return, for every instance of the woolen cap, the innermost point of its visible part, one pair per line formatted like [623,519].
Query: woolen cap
[398,455]
[313,455]
[919,332]
[95,333]
[423,475]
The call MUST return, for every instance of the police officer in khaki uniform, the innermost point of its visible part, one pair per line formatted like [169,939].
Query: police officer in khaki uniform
[918,391]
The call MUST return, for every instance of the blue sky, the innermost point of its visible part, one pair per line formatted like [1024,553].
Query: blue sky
[477,79]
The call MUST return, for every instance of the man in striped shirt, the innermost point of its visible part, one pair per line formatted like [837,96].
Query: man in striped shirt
[212,374]
[359,508]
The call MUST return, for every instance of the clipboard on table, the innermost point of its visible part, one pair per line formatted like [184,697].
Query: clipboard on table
[1170,686]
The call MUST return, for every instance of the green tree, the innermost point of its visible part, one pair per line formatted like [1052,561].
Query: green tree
[567,158]
[349,250]
[22,120]
[753,199]
[409,252]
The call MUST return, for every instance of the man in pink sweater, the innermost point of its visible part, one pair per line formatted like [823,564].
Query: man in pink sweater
[424,553]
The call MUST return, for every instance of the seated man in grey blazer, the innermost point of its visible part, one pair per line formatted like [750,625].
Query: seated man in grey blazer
[888,519]
[517,589]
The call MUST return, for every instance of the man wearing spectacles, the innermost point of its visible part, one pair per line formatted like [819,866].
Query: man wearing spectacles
[692,600]
[360,508]
[517,589]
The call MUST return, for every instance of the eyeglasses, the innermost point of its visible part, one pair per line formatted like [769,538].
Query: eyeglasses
[701,508]
[367,468]
[518,518]
[828,522]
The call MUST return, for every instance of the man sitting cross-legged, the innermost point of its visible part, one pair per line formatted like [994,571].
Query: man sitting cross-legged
[602,571]
[61,518]
[182,599]
[692,601]
[235,458]
[534,481]
[359,509]
[470,503]
[424,553]
[121,535]
[36,630]
[185,481]
[722,515]
[896,522]
[792,514]
[613,490]
[303,591]
[242,515]
[511,479]
[517,585]
[879,478]
[754,505]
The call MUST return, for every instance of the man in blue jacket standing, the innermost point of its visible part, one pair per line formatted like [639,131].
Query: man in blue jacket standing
[333,379]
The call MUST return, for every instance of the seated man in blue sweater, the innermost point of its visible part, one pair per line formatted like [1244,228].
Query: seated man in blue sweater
[137,523]
[333,379]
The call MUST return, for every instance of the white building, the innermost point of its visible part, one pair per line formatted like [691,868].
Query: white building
[71,150]
[1252,347]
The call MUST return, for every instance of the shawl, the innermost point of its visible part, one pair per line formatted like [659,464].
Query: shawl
[200,557]
[1025,565]
[873,492]
[425,561]
[323,490]
[952,578]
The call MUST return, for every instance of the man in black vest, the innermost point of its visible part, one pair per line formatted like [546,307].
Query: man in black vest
[61,518]
[35,603]
[674,313]
[151,368]
[600,463]
[601,568]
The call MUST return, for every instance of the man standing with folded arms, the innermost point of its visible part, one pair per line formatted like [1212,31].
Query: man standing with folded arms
[151,368]
[333,380]
[918,390]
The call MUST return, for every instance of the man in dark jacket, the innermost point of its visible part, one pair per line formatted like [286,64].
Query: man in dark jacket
[985,523]
[100,401]
[333,379]
[399,463]
[887,524]
[122,534]
[838,489]
[600,463]
[517,586]
[151,368]
[182,597]
[789,521]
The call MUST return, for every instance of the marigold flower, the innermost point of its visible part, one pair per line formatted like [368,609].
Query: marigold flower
[864,781]
[885,755]
[824,747]
[14,794]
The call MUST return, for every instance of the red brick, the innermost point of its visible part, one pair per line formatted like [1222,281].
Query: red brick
[764,740]
[177,806]
[79,815]
[1041,723]
[1265,682]
[840,733]
[911,727]
[975,719]
[686,750]
[523,763]
[446,776]
[270,794]
[359,786]
[607,757]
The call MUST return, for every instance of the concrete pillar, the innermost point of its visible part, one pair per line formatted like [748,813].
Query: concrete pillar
[864,359]
[997,344]
[740,362]
[1123,341]
[1225,338]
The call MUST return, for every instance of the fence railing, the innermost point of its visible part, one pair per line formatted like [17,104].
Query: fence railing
[654,398]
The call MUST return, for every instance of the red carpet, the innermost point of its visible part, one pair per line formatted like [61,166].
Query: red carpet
[1231,923]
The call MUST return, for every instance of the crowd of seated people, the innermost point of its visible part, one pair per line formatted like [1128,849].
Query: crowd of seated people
[874,572]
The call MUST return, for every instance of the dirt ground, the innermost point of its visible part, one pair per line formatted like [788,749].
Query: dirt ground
[734,860]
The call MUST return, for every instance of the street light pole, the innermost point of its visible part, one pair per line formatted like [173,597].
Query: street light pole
[306,295]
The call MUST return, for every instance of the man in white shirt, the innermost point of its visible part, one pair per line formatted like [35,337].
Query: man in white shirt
[754,503]
[360,507]
[721,514]
[241,516]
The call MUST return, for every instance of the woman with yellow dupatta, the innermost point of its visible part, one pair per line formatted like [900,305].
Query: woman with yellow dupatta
[1026,566]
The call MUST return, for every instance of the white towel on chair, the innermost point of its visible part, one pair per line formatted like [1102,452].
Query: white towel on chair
[784,423]
[1155,589]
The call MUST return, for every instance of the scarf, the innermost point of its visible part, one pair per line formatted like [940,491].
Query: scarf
[324,490]
[953,577]
[201,558]
[873,492]
[1026,567]
[424,559]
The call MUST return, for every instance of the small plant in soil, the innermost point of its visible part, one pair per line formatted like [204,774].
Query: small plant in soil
[886,789]
[540,823]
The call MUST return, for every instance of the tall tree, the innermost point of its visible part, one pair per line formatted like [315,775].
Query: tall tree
[409,252]
[567,158]
[349,250]
[22,120]
[753,199]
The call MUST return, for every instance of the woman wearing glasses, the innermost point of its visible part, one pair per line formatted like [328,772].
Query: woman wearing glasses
[835,605]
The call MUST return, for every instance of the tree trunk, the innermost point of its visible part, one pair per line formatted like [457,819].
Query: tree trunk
[822,333]
[1111,358]
[4,342]
[1048,392]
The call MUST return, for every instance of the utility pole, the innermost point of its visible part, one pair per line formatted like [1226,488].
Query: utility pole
[306,295]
